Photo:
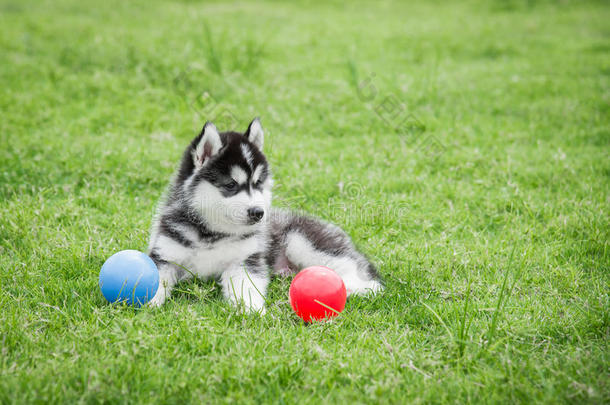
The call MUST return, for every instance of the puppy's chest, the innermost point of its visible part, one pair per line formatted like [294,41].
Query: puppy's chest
[208,259]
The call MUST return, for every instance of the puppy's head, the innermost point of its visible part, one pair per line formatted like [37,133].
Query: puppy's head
[227,178]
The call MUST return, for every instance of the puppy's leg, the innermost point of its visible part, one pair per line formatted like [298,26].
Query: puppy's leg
[358,274]
[246,283]
[169,275]
[299,241]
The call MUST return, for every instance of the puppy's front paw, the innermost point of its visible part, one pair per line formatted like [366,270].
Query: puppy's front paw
[255,306]
[158,299]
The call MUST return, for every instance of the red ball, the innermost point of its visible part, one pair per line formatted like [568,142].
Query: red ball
[317,293]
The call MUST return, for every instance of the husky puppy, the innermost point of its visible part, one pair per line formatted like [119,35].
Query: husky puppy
[216,221]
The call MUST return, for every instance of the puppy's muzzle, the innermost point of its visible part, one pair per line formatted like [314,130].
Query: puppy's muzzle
[255,214]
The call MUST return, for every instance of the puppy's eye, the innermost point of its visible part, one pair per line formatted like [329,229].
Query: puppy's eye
[258,183]
[232,185]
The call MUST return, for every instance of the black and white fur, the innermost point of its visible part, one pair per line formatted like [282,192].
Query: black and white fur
[217,221]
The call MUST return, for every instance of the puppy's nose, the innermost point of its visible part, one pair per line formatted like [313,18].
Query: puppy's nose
[255,214]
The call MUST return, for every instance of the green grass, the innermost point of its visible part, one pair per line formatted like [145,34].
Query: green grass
[487,211]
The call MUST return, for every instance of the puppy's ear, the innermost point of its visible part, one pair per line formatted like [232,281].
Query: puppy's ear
[254,133]
[209,144]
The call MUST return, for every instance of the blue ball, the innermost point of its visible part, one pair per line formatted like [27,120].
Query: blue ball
[129,276]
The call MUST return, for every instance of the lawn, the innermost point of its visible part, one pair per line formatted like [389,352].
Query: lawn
[463,145]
